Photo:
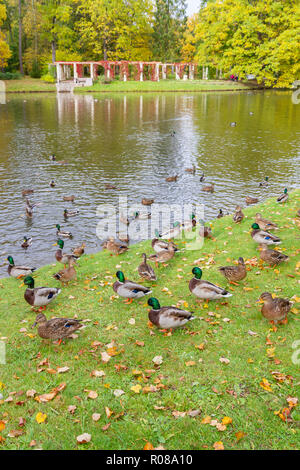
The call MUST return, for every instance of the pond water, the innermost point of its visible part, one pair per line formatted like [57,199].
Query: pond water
[134,142]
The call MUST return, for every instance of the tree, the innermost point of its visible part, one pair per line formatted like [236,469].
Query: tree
[168,29]
[4,48]
[188,51]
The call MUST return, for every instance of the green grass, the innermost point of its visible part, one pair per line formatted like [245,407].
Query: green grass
[28,84]
[165,85]
[215,388]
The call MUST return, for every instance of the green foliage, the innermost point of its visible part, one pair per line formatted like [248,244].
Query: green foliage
[10,75]
[48,78]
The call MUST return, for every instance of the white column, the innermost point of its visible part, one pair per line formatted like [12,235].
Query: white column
[164,71]
[141,71]
[92,71]
[58,73]
[177,72]
[75,72]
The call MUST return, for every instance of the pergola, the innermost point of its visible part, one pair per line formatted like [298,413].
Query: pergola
[157,70]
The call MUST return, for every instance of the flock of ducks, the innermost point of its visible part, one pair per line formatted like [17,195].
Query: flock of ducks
[164,247]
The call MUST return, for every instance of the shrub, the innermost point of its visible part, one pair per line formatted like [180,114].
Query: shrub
[10,75]
[36,69]
[48,78]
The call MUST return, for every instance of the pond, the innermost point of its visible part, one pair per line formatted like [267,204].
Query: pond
[134,142]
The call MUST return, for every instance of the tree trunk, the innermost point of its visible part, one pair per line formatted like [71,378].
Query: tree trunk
[53,47]
[104,49]
[20,39]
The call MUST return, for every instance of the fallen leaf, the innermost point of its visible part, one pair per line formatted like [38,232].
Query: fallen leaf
[40,417]
[218,445]
[96,416]
[84,438]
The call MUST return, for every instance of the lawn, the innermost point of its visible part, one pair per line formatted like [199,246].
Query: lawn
[192,400]
[28,84]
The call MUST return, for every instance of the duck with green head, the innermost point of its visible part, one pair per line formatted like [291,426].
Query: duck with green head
[204,289]
[284,197]
[129,289]
[262,237]
[70,213]
[39,296]
[18,271]
[62,233]
[172,233]
[188,225]
[61,257]
[27,242]
[167,317]
[265,182]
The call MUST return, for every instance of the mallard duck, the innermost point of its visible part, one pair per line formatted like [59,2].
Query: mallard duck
[18,271]
[115,247]
[52,184]
[129,289]
[167,317]
[264,183]
[29,208]
[190,224]
[163,256]
[265,224]
[202,178]
[191,170]
[205,289]
[110,186]
[172,233]
[262,237]
[39,296]
[52,158]
[160,246]
[284,197]
[78,250]
[66,275]
[61,257]
[172,178]
[124,220]
[205,232]
[147,202]
[26,192]
[275,310]
[251,200]
[272,257]
[63,233]
[233,124]
[142,215]
[234,273]
[70,213]
[27,242]
[238,215]
[145,270]
[209,188]
[123,237]
[56,328]
[69,198]
[220,214]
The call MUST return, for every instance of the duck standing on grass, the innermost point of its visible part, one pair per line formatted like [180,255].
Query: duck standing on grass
[115,247]
[238,215]
[66,275]
[205,289]
[18,271]
[262,237]
[39,296]
[163,256]
[234,273]
[145,270]
[129,289]
[161,245]
[265,224]
[275,310]
[167,317]
[56,328]
[61,257]
[284,197]
[272,257]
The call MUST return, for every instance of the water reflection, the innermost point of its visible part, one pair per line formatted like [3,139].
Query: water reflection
[135,142]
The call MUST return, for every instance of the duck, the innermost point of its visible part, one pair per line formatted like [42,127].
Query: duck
[209,188]
[169,179]
[129,289]
[27,192]
[147,202]
[123,237]
[220,214]
[233,124]
[163,256]
[145,270]
[63,233]
[262,237]
[160,246]
[124,220]
[110,186]
[202,178]
[234,273]
[115,247]
[272,257]
[284,197]
[52,158]
[39,296]
[78,250]
[66,275]
[61,257]
[265,183]
[141,215]
[70,213]
[191,170]
[205,232]
[238,215]
[69,198]
[172,233]
[18,271]
[29,208]
[27,242]
[251,200]
[265,224]
[168,317]
[56,328]
[275,310]
[52,184]
[190,224]
[205,289]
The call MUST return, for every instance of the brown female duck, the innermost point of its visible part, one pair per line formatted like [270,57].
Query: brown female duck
[272,257]
[234,273]
[56,328]
[275,310]
[145,270]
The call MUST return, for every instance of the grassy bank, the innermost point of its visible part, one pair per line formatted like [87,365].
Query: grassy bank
[165,85]
[28,85]
[181,403]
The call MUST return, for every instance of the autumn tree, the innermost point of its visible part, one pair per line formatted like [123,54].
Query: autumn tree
[189,49]
[4,48]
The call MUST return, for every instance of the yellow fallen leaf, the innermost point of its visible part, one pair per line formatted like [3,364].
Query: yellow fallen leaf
[265,385]
[148,446]
[218,445]
[239,435]
[40,417]
[136,388]
[226,420]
